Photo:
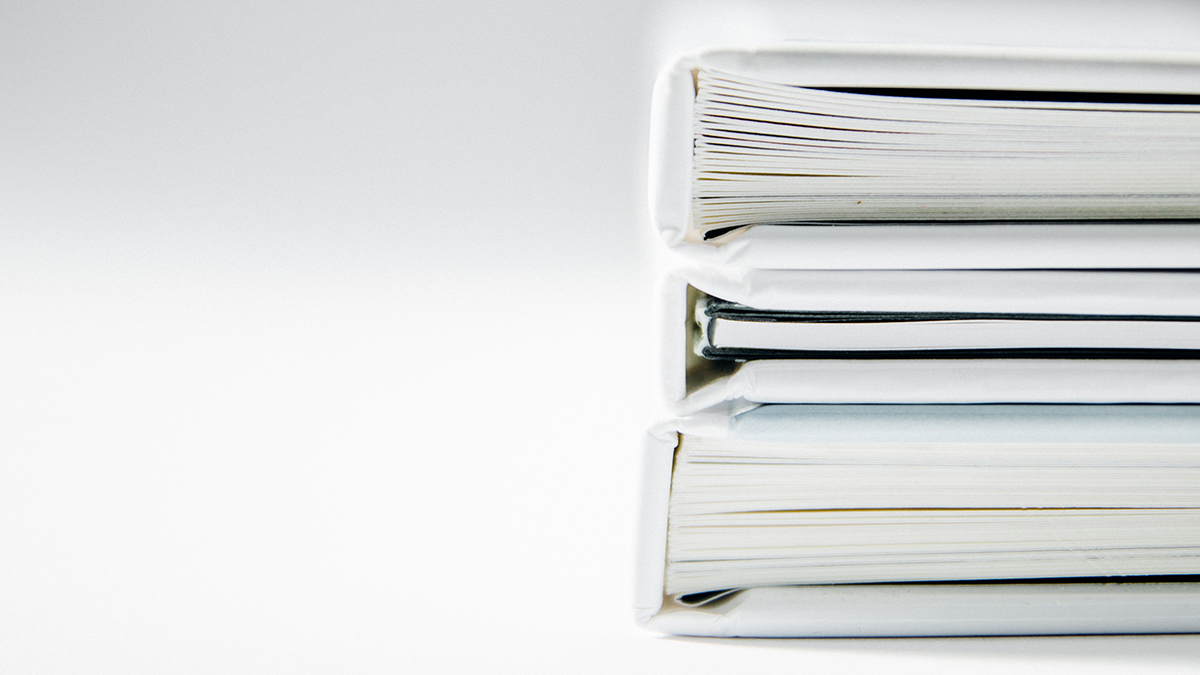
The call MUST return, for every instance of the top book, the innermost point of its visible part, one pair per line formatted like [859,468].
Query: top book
[850,156]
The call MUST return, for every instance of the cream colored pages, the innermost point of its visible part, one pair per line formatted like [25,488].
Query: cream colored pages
[772,154]
[751,513]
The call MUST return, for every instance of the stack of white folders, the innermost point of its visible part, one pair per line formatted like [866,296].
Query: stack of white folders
[946,377]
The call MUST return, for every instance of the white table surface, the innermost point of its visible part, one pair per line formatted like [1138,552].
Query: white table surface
[305,364]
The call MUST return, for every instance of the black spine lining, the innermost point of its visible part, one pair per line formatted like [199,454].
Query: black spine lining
[1023,95]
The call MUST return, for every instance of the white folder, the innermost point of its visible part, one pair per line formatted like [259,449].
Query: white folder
[692,383]
[912,245]
[881,610]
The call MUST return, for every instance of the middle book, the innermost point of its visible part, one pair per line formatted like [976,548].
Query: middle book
[936,336]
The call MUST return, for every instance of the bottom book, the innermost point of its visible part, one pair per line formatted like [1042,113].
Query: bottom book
[794,520]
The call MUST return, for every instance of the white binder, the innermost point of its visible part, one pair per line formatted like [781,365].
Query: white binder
[884,609]
[914,245]
[691,383]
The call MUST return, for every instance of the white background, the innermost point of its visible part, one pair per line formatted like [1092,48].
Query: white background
[307,357]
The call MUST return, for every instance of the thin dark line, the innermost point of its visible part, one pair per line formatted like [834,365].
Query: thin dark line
[746,354]
[1005,509]
[1023,95]
[899,221]
[732,311]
